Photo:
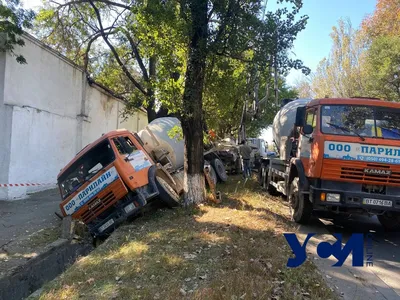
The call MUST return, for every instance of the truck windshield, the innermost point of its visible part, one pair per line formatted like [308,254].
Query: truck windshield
[364,121]
[85,168]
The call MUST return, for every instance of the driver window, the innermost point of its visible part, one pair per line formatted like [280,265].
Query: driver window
[124,145]
[119,146]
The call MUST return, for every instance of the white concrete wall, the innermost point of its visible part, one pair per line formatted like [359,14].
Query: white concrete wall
[50,113]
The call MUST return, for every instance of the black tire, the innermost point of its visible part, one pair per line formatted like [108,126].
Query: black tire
[260,174]
[238,167]
[267,185]
[219,169]
[166,193]
[301,207]
[390,221]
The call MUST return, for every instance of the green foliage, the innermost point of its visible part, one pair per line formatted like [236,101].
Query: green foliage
[363,62]
[13,20]
[224,95]
[269,110]
[176,133]
[144,31]
[383,65]
[226,92]
[241,45]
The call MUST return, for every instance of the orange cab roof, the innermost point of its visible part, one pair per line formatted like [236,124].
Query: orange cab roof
[91,145]
[354,101]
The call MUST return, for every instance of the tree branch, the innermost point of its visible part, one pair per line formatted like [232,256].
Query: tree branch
[91,1]
[117,58]
[91,40]
[137,55]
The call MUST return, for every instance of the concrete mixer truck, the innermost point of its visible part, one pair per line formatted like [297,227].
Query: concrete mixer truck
[337,155]
[113,177]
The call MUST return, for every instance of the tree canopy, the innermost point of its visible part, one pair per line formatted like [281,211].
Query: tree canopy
[13,20]
[362,62]
[139,50]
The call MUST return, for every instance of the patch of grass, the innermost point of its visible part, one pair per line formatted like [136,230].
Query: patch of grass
[44,237]
[231,250]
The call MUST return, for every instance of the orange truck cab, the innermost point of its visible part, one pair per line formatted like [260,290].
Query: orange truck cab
[108,181]
[344,158]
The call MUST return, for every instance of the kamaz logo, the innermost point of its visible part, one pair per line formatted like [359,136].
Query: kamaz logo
[94,204]
[379,172]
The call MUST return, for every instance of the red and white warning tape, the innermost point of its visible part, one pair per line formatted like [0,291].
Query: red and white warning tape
[24,184]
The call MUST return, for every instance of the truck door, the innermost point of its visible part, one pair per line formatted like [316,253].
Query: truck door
[133,161]
[305,142]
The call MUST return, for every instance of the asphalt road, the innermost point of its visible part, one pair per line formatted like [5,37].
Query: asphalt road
[386,246]
[23,217]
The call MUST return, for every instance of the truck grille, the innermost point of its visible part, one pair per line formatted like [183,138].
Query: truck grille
[102,201]
[95,209]
[354,171]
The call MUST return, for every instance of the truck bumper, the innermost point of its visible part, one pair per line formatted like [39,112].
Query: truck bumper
[123,209]
[353,201]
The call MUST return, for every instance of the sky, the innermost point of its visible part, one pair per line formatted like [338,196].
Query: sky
[314,42]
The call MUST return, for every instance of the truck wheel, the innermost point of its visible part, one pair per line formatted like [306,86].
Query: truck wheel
[390,221]
[267,185]
[301,208]
[238,167]
[219,169]
[166,193]
[260,174]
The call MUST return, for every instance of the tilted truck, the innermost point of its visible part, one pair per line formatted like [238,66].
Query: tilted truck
[113,177]
[338,155]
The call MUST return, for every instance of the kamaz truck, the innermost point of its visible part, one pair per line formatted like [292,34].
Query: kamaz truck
[337,155]
[113,177]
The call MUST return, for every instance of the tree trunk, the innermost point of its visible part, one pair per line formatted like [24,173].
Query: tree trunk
[192,119]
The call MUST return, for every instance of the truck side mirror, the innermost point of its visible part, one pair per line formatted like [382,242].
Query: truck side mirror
[308,129]
[300,116]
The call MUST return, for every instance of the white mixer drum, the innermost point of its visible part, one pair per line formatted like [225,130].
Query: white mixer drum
[156,138]
[285,118]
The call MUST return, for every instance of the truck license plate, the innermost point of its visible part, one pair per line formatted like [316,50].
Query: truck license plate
[106,225]
[377,202]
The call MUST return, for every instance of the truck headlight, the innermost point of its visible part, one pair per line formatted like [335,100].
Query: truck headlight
[332,197]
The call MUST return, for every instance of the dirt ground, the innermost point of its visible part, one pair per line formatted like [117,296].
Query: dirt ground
[232,250]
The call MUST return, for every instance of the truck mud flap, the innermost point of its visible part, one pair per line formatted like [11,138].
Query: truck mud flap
[152,181]
[301,174]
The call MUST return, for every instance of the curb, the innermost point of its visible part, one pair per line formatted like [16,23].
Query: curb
[56,257]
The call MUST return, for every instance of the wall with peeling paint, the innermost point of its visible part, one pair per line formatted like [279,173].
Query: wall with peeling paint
[48,113]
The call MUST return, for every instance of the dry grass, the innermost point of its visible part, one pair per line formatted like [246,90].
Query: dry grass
[232,250]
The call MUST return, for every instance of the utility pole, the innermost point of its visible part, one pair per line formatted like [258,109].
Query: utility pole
[276,68]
